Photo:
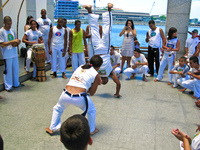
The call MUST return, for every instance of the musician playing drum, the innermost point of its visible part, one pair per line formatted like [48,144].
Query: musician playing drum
[34,37]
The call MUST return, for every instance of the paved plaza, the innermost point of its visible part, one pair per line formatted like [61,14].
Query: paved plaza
[141,120]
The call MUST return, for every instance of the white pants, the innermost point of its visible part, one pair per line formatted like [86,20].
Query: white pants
[77,60]
[11,78]
[117,71]
[193,85]
[100,45]
[106,67]
[28,62]
[178,79]
[166,60]
[64,101]
[143,69]
[45,40]
[57,51]
[90,51]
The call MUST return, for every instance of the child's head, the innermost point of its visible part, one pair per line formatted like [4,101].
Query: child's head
[75,133]
[194,62]
[182,61]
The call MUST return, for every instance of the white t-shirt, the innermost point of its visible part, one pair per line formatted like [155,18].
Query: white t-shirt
[33,35]
[115,58]
[191,45]
[195,145]
[83,78]
[155,38]
[8,51]
[192,70]
[171,44]
[140,59]
[44,26]
[185,69]
[58,37]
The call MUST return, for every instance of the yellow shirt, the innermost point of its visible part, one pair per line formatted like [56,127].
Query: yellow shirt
[77,41]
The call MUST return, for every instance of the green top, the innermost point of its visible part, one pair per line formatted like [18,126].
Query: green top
[77,41]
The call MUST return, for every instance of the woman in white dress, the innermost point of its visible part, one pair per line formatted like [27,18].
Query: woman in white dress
[128,47]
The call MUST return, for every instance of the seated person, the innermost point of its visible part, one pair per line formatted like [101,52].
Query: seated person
[194,83]
[139,65]
[185,141]
[115,60]
[75,133]
[180,72]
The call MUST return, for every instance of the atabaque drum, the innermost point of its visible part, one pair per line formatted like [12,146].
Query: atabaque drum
[38,57]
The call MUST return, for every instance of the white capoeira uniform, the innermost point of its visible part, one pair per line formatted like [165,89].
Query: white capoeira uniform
[191,44]
[90,48]
[193,85]
[31,36]
[101,46]
[80,78]
[195,145]
[177,77]
[168,58]
[10,56]
[140,69]
[57,43]
[44,27]
[115,59]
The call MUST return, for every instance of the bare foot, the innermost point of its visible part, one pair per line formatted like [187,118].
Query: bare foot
[63,76]
[49,131]
[95,131]
[88,7]
[182,90]
[145,79]
[169,83]
[132,76]
[194,97]
[117,96]
[155,80]
[198,105]
[27,72]
[53,76]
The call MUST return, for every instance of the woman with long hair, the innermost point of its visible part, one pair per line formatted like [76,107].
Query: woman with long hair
[171,45]
[31,37]
[85,79]
[128,47]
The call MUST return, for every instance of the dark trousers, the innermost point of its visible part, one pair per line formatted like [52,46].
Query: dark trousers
[153,53]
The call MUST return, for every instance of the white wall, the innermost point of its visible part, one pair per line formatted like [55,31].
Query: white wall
[41,4]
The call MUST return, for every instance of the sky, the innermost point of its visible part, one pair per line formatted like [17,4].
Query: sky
[159,8]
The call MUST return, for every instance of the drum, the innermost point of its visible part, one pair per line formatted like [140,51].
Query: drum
[38,57]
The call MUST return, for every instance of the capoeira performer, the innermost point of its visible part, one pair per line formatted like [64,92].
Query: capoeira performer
[84,80]
[194,83]
[44,27]
[171,45]
[180,72]
[8,43]
[31,36]
[139,65]
[115,60]
[191,44]
[58,43]
[88,35]
[101,46]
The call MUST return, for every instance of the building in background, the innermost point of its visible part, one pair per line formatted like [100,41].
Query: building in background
[66,9]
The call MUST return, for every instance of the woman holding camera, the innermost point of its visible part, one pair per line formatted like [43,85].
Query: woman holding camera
[128,42]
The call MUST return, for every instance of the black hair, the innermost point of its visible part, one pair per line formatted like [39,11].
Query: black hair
[64,19]
[75,132]
[151,22]
[77,21]
[112,46]
[7,19]
[28,19]
[195,59]
[183,57]
[131,22]
[95,61]
[37,25]
[170,33]
[137,50]
[60,19]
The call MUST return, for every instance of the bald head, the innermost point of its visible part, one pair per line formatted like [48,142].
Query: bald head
[43,13]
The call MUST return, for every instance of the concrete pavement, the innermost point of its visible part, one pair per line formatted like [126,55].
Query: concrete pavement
[141,119]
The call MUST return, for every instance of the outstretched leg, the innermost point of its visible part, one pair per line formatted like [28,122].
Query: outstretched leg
[118,84]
